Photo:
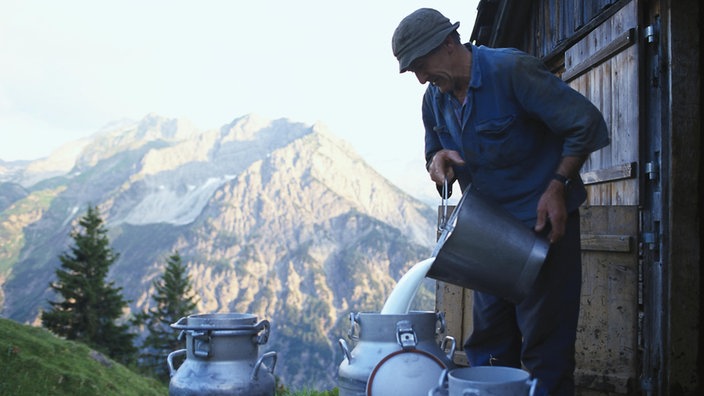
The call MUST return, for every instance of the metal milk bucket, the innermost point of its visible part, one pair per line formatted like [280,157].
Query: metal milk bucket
[381,338]
[485,381]
[483,247]
[222,356]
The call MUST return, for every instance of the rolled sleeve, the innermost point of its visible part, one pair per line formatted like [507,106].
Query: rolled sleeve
[564,111]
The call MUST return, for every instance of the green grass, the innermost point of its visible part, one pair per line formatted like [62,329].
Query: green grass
[35,362]
[307,392]
[11,232]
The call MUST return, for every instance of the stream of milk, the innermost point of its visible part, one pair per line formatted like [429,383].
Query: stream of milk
[401,297]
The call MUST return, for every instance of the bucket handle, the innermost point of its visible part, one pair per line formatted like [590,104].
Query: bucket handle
[170,360]
[441,388]
[255,370]
[533,384]
[445,193]
[345,350]
[453,346]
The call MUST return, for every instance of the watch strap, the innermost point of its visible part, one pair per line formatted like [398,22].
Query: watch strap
[562,179]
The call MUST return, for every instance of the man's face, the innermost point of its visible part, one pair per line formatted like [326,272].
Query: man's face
[434,68]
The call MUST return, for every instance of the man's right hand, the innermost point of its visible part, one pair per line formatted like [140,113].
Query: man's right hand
[440,168]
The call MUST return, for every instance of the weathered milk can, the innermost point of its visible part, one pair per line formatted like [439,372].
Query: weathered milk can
[222,356]
[399,352]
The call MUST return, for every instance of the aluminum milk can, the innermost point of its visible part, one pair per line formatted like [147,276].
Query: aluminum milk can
[380,336]
[222,356]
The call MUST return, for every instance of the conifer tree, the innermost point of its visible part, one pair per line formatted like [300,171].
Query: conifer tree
[90,306]
[174,299]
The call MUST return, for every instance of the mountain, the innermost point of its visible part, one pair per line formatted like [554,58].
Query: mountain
[272,217]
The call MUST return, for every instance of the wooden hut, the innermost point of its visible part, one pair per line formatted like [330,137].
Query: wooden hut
[640,62]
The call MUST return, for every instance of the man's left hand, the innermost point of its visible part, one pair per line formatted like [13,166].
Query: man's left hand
[551,207]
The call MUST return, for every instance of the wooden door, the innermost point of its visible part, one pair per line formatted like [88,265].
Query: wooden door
[604,67]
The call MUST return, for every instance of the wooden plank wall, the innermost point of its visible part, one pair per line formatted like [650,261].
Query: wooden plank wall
[603,66]
[610,81]
[456,302]
[607,335]
[555,21]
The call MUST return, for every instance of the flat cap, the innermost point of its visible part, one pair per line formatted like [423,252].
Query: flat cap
[419,33]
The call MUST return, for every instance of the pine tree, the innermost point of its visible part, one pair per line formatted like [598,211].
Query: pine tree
[90,306]
[173,299]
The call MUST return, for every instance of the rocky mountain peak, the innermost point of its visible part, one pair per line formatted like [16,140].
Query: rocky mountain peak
[272,217]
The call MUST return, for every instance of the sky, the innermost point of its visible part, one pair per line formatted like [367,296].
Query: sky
[67,68]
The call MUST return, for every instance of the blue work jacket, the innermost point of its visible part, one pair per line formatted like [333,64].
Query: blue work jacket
[518,121]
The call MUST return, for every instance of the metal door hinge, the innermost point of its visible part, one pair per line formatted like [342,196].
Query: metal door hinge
[652,239]
[650,34]
[652,170]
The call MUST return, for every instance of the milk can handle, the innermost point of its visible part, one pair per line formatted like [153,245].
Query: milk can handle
[441,319]
[345,350]
[178,322]
[533,384]
[353,326]
[170,360]
[255,370]
[453,346]
[262,338]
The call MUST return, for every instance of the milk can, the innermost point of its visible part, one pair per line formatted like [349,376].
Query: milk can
[387,345]
[222,356]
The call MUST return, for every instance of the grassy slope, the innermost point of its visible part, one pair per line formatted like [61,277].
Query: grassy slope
[35,362]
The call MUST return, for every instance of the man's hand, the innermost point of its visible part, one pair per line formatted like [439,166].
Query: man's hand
[440,168]
[552,207]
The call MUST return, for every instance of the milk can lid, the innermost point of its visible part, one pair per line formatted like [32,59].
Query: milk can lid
[217,321]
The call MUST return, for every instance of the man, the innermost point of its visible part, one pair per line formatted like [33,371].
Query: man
[497,120]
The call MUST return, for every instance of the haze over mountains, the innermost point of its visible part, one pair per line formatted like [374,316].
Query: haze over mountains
[275,218]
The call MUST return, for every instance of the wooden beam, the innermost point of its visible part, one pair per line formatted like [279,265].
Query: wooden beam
[618,172]
[623,41]
[559,50]
[607,243]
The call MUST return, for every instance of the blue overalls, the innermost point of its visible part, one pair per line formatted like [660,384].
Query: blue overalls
[516,124]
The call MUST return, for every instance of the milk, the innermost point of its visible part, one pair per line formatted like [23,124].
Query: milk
[399,301]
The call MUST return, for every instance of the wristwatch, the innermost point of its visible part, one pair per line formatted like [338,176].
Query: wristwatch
[562,179]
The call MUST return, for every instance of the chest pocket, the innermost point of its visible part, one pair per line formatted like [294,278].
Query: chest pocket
[503,142]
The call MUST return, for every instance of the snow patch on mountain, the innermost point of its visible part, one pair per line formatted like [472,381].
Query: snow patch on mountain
[171,206]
